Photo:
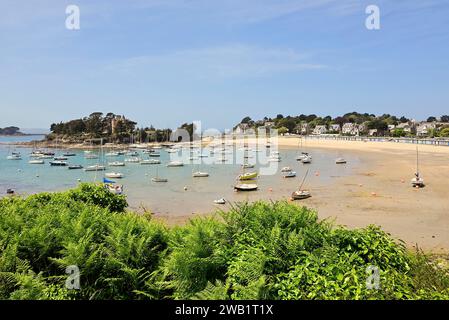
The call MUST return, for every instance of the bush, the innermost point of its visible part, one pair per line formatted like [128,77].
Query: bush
[42,235]
[255,251]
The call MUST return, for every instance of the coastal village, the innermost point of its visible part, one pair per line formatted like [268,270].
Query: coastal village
[353,125]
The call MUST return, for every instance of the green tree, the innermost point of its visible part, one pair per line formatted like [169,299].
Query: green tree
[282,130]
[444,132]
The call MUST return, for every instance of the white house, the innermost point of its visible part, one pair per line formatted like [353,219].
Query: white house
[321,129]
[334,127]
[424,128]
[304,128]
[405,126]
[350,129]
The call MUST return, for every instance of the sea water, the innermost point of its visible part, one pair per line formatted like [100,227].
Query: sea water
[182,194]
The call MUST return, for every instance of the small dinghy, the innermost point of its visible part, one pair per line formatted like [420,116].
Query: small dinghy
[10,191]
[290,174]
[58,163]
[245,187]
[248,176]
[132,160]
[75,167]
[116,164]
[301,195]
[220,201]
[112,154]
[157,179]
[116,175]
[307,159]
[286,169]
[340,161]
[417,181]
[150,161]
[114,188]
[154,154]
[175,164]
[36,162]
[14,157]
[248,166]
[69,154]
[95,168]
[61,158]
[200,174]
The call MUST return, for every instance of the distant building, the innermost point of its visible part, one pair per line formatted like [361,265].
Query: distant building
[354,129]
[372,132]
[424,128]
[319,130]
[241,128]
[351,129]
[405,126]
[115,121]
[304,128]
[334,127]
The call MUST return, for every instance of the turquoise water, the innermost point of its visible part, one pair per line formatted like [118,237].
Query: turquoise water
[182,194]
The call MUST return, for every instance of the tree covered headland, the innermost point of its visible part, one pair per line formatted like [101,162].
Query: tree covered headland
[262,250]
[10,131]
[110,127]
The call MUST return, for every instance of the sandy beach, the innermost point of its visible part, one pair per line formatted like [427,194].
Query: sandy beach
[379,191]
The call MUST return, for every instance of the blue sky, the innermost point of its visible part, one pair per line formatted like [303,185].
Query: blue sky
[165,62]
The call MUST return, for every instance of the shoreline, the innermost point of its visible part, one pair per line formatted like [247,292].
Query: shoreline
[376,192]
[379,192]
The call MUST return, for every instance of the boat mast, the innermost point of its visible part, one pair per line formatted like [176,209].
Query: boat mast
[304,179]
[417,162]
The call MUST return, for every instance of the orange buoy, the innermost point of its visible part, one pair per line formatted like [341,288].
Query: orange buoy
[373,194]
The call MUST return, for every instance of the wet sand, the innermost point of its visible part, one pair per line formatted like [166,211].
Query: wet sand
[378,191]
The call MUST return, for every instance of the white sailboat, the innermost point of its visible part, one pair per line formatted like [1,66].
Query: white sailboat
[150,161]
[95,167]
[36,161]
[199,174]
[115,175]
[307,158]
[301,194]
[14,157]
[116,164]
[417,181]
[246,186]
[175,164]
[157,178]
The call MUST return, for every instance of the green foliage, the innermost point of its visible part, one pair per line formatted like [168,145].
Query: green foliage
[444,132]
[43,234]
[255,251]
